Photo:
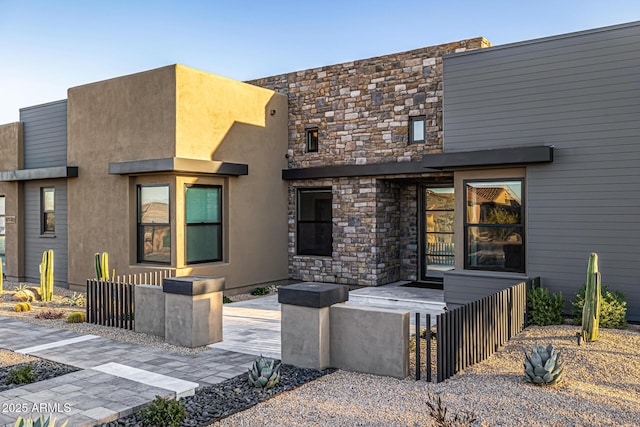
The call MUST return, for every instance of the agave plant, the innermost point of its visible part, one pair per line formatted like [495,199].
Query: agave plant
[264,373]
[543,365]
[39,422]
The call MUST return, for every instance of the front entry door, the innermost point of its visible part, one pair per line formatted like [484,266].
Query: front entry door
[438,252]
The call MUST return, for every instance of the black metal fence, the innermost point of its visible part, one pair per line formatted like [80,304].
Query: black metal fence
[471,333]
[110,303]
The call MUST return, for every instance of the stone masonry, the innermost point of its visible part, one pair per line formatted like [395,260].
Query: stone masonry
[362,111]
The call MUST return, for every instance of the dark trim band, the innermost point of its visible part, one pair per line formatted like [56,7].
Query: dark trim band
[178,164]
[40,173]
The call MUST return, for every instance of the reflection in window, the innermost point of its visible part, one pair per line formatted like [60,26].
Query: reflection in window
[312,140]
[439,251]
[48,217]
[154,228]
[204,223]
[314,222]
[494,227]
[416,130]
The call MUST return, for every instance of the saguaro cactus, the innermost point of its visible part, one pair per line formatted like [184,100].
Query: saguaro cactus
[46,275]
[592,297]
[102,266]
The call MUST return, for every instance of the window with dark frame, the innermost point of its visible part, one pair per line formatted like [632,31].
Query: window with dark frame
[494,225]
[48,205]
[203,212]
[312,140]
[314,225]
[154,226]
[417,129]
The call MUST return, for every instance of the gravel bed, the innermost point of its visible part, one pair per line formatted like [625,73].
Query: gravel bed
[42,369]
[212,403]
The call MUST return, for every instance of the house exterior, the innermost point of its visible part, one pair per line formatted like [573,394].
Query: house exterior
[462,166]
[171,168]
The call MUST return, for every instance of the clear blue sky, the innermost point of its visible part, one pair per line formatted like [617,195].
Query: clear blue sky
[48,46]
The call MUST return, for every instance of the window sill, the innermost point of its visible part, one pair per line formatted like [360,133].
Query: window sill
[47,236]
[298,256]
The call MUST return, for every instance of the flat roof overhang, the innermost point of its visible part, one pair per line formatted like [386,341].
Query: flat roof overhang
[178,164]
[39,173]
[431,163]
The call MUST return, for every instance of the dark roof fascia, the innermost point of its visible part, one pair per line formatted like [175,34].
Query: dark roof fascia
[338,171]
[489,158]
[39,173]
[178,164]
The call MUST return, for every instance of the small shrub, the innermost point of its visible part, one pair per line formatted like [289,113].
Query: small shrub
[75,317]
[226,299]
[613,308]
[545,308]
[76,300]
[21,287]
[22,306]
[50,314]
[163,412]
[438,412]
[21,296]
[38,422]
[260,291]
[20,375]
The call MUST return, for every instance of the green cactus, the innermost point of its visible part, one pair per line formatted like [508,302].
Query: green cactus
[102,266]
[75,317]
[264,373]
[592,301]
[46,275]
[22,306]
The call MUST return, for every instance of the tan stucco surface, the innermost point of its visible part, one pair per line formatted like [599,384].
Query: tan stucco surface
[11,147]
[177,111]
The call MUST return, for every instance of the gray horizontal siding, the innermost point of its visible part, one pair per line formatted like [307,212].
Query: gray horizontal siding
[45,135]
[34,244]
[580,94]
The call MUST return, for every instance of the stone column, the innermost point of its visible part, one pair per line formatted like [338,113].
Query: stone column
[193,310]
[305,328]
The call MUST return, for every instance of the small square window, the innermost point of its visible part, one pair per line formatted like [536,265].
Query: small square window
[416,130]
[312,140]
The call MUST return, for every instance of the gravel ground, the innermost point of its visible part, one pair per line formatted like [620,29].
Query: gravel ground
[601,388]
[42,369]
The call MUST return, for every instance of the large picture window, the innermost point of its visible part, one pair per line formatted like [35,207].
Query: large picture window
[154,227]
[48,210]
[314,222]
[204,223]
[2,231]
[494,225]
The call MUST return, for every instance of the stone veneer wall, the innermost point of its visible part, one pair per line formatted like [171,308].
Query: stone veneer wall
[362,110]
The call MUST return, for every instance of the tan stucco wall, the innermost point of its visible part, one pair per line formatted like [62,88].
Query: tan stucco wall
[177,111]
[459,178]
[11,158]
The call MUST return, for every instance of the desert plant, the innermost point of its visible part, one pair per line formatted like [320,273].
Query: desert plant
[592,301]
[226,299]
[264,373]
[38,422]
[21,287]
[20,375]
[1,277]
[76,317]
[75,300]
[163,412]
[260,291]
[102,266]
[438,412]
[50,314]
[22,306]
[613,308]
[46,275]
[544,308]
[543,366]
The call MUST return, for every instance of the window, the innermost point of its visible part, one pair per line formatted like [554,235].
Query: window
[312,140]
[416,130]
[204,223]
[2,231]
[47,207]
[494,228]
[314,222]
[154,228]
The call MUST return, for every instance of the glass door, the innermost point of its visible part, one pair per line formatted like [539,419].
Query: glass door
[438,233]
